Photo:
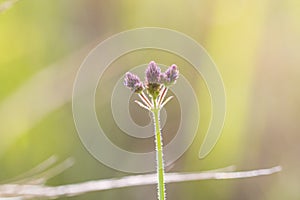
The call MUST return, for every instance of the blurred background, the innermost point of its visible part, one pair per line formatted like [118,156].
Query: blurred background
[255,45]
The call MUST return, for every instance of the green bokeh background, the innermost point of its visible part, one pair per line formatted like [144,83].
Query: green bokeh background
[255,45]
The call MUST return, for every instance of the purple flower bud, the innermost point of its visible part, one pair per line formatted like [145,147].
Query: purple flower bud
[163,78]
[152,73]
[133,82]
[170,76]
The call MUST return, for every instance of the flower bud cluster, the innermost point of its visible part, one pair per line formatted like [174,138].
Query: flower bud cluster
[153,80]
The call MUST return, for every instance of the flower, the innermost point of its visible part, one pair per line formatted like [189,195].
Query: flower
[170,76]
[133,82]
[163,79]
[152,73]
[152,81]
[155,80]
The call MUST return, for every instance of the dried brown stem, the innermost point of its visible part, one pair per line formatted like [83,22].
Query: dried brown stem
[35,191]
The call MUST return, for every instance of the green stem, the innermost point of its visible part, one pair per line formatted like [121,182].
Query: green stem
[159,153]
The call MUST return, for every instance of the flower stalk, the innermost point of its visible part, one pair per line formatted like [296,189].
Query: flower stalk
[156,85]
[159,153]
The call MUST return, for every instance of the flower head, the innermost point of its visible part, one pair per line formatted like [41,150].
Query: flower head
[163,78]
[133,82]
[153,79]
[152,73]
[170,76]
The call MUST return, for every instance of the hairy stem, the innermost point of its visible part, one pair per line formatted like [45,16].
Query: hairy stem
[159,153]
